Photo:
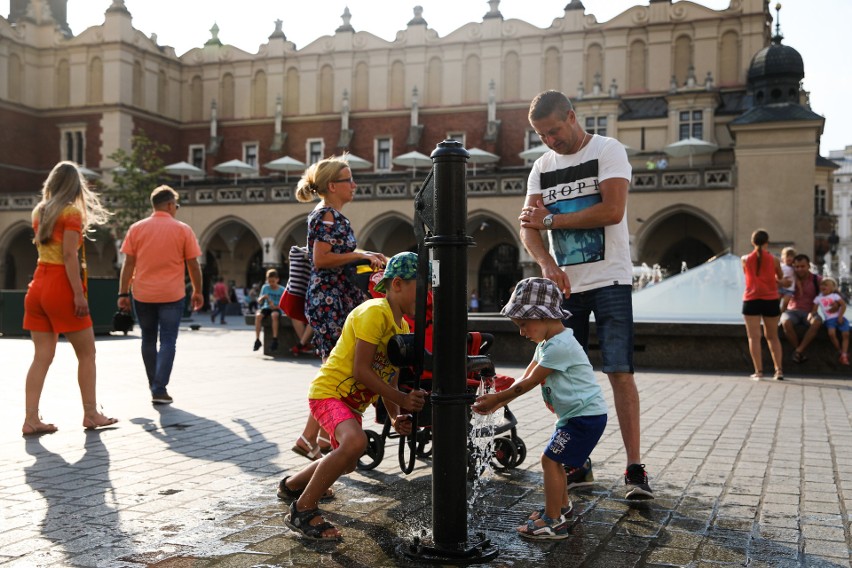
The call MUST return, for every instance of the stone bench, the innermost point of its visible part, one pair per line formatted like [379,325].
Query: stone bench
[675,346]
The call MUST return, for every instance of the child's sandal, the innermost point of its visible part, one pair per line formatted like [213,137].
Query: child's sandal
[552,529]
[285,493]
[300,522]
[564,511]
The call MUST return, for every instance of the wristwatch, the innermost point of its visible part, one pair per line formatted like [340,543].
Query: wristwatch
[548,221]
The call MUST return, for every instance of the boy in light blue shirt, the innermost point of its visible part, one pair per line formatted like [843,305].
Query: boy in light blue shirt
[569,389]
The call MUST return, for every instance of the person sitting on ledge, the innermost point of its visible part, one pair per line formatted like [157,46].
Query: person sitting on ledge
[800,307]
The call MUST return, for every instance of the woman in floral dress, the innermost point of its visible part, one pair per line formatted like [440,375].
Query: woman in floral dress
[332,291]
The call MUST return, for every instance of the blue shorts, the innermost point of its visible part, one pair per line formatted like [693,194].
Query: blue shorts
[613,309]
[572,444]
[832,324]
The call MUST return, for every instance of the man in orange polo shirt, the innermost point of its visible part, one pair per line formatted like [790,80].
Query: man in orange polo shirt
[157,249]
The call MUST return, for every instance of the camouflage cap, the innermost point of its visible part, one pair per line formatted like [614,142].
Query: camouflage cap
[402,265]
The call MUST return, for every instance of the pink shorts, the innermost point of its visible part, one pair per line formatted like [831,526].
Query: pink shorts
[330,412]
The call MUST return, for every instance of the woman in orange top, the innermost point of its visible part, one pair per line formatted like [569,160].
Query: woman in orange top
[763,276]
[56,299]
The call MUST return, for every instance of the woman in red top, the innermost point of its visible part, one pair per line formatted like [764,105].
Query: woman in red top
[56,300]
[763,275]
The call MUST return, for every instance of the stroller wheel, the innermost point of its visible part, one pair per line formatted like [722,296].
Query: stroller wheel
[424,439]
[505,454]
[374,452]
[522,451]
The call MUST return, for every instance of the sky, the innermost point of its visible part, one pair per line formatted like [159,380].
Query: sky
[814,27]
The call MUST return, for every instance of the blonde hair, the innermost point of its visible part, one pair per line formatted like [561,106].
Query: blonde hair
[314,182]
[830,280]
[788,251]
[64,186]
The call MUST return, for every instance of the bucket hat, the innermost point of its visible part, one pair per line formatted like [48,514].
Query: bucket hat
[402,265]
[536,298]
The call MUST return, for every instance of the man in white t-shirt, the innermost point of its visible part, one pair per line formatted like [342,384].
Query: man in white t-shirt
[577,192]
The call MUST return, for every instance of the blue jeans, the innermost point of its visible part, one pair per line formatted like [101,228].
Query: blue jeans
[163,320]
[613,309]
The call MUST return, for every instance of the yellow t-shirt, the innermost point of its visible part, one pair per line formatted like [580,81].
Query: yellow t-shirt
[372,322]
[70,219]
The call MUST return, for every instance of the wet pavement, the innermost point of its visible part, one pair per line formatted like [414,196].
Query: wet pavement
[746,474]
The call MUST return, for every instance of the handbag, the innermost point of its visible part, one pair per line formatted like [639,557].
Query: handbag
[122,321]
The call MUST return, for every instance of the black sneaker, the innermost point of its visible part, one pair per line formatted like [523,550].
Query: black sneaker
[637,483]
[274,345]
[161,398]
[580,476]
[257,344]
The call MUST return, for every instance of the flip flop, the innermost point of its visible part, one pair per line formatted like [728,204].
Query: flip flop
[312,454]
[324,445]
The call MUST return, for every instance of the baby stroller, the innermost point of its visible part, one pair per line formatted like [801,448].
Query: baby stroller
[509,449]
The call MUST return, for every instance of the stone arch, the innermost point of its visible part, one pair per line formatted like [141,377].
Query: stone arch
[389,233]
[291,93]
[680,233]
[196,99]
[138,84]
[511,77]
[361,87]
[497,243]
[434,82]
[325,89]
[472,82]
[229,247]
[226,96]
[729,58]
[258,90]
[18,254]
[552,74]
[594,66]
[63,83]
[396,84]
[95,92]
[637,71]
[682,58]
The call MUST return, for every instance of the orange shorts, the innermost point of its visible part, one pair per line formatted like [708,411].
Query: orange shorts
[49,303]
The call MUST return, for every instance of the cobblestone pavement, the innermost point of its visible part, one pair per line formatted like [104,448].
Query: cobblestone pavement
[756,474]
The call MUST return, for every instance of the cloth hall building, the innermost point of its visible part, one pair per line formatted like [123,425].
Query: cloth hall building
[652,76]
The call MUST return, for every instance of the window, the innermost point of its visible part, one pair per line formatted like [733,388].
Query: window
[315,150]
[820,200]
[457,136]
[383,153]
[596,125]
[73,144]
[691,124]
[196,155]
[250,153]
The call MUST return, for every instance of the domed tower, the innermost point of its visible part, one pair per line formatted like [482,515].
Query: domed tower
[20,10]
[776,149]
[776,72]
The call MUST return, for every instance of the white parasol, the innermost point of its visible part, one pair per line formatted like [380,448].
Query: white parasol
[690,147]
[413,160]
[534,153]
[478,156]
[183,169]
[235,167]
[286,165]
[356,163]
[89,174]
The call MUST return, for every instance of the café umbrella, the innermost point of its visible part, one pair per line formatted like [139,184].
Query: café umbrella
[413,160]
[182,169]
[690,147]
[534,153]
[478,156]
[356,163]
[235,167]
[286,165]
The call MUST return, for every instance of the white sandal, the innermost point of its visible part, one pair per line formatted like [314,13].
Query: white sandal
[312,453]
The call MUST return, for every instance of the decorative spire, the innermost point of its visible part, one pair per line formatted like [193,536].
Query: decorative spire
[278,33]
[214,36]
[118,6]
[494,12]
[418,17]
[575,5]
[346,16]
[776,39]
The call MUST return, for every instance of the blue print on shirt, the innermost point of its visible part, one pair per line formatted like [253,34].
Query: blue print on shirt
[568,190]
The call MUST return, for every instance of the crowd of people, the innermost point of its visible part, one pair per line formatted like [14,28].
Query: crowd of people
[586,271]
